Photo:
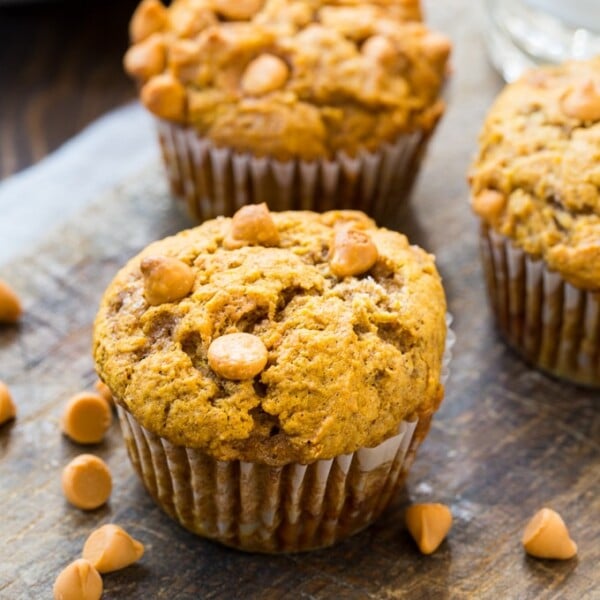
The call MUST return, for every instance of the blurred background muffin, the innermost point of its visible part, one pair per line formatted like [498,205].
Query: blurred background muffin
[300,103]
[536,187]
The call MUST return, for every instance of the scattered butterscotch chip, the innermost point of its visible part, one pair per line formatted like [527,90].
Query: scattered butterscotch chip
[239,10]
[264,74]
[252,224]
[353,253]
[86,418]
[429,525]
[10,305]
[87,482]
[8,410]
[78,581]
[488,204]
[104,391]
[111,548]
[547,536]
[150,16]
[165,96]
[166,279]
[583,101]
[237,356]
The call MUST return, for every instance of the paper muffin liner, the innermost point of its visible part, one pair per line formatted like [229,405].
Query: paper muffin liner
[261,508]
[256,507]
[551,323]
[212,181]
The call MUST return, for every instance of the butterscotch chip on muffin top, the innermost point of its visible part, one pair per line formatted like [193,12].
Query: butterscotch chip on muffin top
[277,354]
[320,77]
[8,410]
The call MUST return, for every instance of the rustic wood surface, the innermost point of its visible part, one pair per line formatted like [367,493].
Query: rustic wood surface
[60,68]
[507,440]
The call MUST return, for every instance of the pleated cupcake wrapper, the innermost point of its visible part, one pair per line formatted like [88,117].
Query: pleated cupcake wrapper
[257,507]
[554,325]
[212,181]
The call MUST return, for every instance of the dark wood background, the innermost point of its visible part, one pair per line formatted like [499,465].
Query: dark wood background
[60,68]
[506,441]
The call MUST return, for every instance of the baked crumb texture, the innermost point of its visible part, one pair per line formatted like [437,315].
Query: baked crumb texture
[536,179]
[290,78]
[349,358]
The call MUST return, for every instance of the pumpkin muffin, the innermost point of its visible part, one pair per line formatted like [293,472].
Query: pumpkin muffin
[306,104]
[274,373]
[536,188]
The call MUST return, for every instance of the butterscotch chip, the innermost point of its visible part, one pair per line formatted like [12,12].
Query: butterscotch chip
[583,101]
[252,224]
[147,58]
[547,536]
[237,356]
[86,418]
[264,74]
[111,548]
[488,204]
[353,253]
[87,482]
[150,16]
[380,49]
[166,279]
[436,46]
[429,525]
[104,391]
[165,96]
[10,305]
[237,9]
[8,410]
[78,581]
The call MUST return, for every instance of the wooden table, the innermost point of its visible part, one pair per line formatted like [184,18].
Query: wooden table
[60,68]
[507,440]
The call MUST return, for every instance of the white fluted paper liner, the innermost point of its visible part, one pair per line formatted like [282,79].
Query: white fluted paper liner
[213,181]
[551,323]
[257,507]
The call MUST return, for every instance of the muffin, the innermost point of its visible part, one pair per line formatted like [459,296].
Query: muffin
[536,188]
[303,104]
[274,373]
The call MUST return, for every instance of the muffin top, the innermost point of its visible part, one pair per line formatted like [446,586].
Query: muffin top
[536,178]
[275,338]
[289,78]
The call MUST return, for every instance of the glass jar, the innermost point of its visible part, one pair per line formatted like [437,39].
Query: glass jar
[526,33]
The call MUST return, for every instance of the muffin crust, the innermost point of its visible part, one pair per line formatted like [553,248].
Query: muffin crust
[290,78]
[349,357]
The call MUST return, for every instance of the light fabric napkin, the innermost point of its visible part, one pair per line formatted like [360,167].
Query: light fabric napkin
[107,152]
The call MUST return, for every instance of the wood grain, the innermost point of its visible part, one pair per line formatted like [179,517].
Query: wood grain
[60,69]
[507,440]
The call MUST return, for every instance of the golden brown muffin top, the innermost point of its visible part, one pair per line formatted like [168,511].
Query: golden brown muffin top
[536,178]
[342,334]
[289,78]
